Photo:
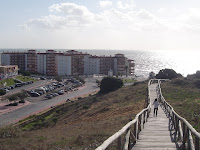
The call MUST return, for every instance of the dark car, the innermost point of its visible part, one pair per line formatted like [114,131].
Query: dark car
[61,92]
[34,94]
[40,92]
[48,96]
[12,87]
[18,85]
[42,78]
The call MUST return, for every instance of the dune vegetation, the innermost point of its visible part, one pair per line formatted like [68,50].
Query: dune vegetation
[184,96]
[81,124]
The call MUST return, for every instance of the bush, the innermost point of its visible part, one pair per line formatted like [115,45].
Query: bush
[25,73]
[2,92]
[167,74]
[12,104]
[86,107]
[109,84]
[197,84]
[180,81]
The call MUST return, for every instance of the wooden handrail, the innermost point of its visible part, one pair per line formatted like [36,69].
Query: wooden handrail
[137,123]
[186,131]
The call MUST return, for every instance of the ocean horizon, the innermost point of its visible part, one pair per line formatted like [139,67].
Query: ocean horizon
[183,62]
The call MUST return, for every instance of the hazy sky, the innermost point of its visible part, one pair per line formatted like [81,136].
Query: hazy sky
[104,24]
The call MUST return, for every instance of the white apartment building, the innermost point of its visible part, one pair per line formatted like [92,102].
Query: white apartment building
[64,65]
[5,59]
[91,65]
[41,63]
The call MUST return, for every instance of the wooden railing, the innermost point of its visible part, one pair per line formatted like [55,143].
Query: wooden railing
[127,137]
[184,132]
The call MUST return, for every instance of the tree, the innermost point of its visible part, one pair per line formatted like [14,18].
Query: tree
[167,74]
[109,84]
[22,95]
[2,92]
[13,97]
[25,73]
[58,78]
[126,69]
[98,83]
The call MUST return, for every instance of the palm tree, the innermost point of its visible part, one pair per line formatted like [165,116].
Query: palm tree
[126,68]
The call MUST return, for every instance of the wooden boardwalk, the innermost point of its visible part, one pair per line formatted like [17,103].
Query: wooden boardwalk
[157,133]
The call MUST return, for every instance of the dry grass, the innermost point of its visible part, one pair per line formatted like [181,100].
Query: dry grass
[85,123]
[185,98]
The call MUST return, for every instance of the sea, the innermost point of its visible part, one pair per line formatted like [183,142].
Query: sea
[184,62]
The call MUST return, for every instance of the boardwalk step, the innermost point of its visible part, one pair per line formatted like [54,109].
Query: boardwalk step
[154,149]
[143,144]
[155,139]
[146,133]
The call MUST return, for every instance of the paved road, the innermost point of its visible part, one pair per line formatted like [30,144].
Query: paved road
[37,106]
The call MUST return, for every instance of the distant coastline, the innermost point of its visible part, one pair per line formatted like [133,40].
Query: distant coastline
[184,62]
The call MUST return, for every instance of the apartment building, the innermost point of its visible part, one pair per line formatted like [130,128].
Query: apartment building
[15,58]
[91,65]
[106,64]
[32,66]
[51,63]
[68,63]
[8,70]
[64,65]
[41,63]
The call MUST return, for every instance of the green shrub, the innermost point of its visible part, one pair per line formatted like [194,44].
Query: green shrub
[167,74]
[197,83]
[2,92]
[86,107]
[109,84]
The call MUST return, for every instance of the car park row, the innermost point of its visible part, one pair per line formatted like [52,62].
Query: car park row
[54,89]
[19,84]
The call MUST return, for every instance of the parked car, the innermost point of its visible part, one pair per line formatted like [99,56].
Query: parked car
[6,90]
[40,92]
[12,87]
[48,96]
[54,94]
[60,92]
[42,78]
[18,85]
[34,94]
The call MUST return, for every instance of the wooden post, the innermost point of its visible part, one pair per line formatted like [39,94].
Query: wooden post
[197,143]
[127,140]
[184,134]
[190,140]
[180,131]
[119,143]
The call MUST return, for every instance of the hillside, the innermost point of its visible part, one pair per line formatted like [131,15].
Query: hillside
[184,96]
[81,124]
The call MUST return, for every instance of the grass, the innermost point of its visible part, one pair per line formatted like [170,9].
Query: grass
[25,78]
[81,124]
[128,80]
[184,97]
[9,82]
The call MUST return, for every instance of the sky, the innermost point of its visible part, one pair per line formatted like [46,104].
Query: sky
[100,24]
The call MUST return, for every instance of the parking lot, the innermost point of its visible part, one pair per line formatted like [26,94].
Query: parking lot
[40,103]
[28,86]
[52,91]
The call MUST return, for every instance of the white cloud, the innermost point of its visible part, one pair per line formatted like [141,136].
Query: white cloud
[124,18]
[71,15]
[125,5]
[105,4]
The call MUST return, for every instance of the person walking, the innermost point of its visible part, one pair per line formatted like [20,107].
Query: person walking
[156,104]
